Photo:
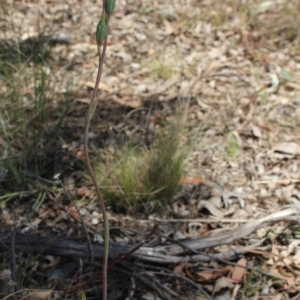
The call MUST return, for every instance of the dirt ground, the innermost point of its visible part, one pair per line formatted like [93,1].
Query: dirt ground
[234,66]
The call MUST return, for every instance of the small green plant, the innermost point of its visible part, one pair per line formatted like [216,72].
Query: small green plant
[233,147]
[162,70]
[26,88]
[163,67]
[253,284]
[136,178]
[24,112]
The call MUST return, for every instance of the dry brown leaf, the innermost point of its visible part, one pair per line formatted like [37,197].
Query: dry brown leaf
[222,283]
[28,35]
[215,64]
[216,201]
[131,103]
[296,258]
[40,294]
[293,85]
[289,148]
[102,86]
[289,277]
[226,295]
[82,295]
[256,131]
[5,274]
[207,276]
[179,269]
[80,154]
[169,27]
[194,181]
[73,212]
[53,263]
[69,183]
[211,208]
[180,208]
[83,192]
[238,271]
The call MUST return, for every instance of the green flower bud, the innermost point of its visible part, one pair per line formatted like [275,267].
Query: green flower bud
[101,31]
[110,6]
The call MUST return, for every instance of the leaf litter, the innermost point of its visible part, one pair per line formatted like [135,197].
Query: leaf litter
[240,76]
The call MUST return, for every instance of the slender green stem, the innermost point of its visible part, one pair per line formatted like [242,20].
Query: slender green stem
[90,169]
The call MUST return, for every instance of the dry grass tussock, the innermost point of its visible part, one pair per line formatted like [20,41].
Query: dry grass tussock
[135,178]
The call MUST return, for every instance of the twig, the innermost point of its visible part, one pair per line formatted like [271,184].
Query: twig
[197,286]
[200,220]
[285,181]
[13,256]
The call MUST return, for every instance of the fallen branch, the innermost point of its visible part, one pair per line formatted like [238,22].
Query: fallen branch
[171,253]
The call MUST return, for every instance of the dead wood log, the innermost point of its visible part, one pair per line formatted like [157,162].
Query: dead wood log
[73,249]
[185,250]
[58,246]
